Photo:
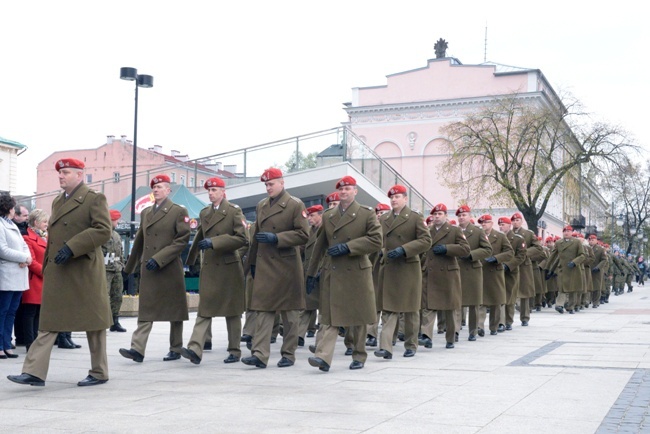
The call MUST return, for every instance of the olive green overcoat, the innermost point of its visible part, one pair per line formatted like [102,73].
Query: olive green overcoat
[494,279]
[568,250]
[471,268]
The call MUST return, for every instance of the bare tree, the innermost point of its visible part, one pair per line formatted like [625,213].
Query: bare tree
[517,150]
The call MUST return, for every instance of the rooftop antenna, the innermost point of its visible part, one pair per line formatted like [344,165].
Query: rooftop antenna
[485,46]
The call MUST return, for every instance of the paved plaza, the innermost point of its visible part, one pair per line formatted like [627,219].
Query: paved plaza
[582,373]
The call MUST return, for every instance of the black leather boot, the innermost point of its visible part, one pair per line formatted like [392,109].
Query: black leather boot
[117,327]
[68,336]
[62,341]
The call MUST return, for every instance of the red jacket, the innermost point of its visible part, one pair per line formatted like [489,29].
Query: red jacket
[37,247]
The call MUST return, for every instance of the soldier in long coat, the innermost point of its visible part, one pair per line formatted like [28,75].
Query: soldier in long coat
[221,233]
[534,254]
[494,280]
[348,235]
[276,267]
[585,297]
[566,261]
[375,258]
[161,238]
[308,316]
[400,278]
[74,281]
[540,281]
[551,284]
[471,268]
[618,272]
[597,270]
[442,291]
[512,274]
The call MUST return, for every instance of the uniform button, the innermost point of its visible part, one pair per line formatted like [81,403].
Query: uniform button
[334,237]
[333,267]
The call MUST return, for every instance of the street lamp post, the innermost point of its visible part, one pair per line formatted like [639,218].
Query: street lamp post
[131,74]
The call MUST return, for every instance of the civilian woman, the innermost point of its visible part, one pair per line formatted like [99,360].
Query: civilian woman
[36,240]
[14,260]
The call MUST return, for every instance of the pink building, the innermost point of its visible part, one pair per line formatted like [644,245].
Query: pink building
[109,169]
[401,120]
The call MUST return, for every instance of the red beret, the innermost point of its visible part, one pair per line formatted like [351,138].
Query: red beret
[593,237]
[271,173]
[315,208]
[517,215]
[382,207]
[485,218]
[429,219]
[333,197]
[452,222]
[396,189]
[115,214]
[158,179]
[549,239]
[567,228]
[556,238]
[346,180]
[214,182]
[579,235]
[505,220]
[439,207]
[539,238]
[463,208]
[70,163]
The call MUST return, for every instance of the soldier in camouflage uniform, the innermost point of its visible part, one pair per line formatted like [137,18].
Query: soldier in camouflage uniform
[618,272]
[114,261]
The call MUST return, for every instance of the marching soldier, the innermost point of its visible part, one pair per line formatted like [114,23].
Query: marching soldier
[114,263]
[471,268]
[161,238]
[597,272]
[511,268]
[567,258]
[441,289]
[534,254]
[618,272]
[494,280]
[589,263]
[222,232]
[308,316]
[375,258]
[400,277]
[276,267]
[349,233]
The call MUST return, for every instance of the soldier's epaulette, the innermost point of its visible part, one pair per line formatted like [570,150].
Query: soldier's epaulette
[369,208]
[260,202]
[234,205]
[296,199]
[517,235]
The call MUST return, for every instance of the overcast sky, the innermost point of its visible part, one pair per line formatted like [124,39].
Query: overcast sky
[245,73]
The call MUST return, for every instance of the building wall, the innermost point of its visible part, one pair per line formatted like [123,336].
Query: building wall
[8,168]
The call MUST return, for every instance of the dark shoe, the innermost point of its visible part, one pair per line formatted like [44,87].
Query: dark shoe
[342,332]
[471,338]
[449,345]
[409,353]
[68,336]
[2,356]
[191,355]
[310,334]
[91,381]
[348,352]
[524,323]
[284,362]
[371,342]
[384,354]
[560,309]
[481,332]
[172,355]
[10,355]
[249,345]
[207,346]
[570,311]
[62,342]
[253,361]
[456,337]
[274,340]
[538,308]
[319,363]
[26,379]
[463,323]
[231,359]
[425,342]
[501,328]
[312,348]
[493,333]
[132,354]
[508,327]
[441,331]
[301,341]
[117,327]
[401,337]
[245,338]
[356,364]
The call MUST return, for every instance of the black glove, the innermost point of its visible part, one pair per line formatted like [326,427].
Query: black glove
[505,267]
[152,265]
[311,284]
[439,249]
[338,250]
[491,260]
[266,237]
[396,252]
[548,275]
[63,255]
[571,264]
[595,270]
[205,244]
[253,271]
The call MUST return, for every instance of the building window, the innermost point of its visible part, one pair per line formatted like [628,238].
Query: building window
[116,177]
[89,178]
[182,179]
[191,181]
[201,182]
[173,177]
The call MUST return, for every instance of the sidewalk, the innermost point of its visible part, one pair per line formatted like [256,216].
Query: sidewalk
[582,373]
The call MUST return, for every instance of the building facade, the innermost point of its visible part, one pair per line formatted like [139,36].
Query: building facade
[9,152]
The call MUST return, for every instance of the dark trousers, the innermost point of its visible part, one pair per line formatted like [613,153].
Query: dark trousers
[30,319]
[9,302]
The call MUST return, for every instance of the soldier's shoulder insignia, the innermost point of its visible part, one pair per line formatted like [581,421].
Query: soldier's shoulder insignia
[234,205]
[295,198]
[304,213]
[368,208]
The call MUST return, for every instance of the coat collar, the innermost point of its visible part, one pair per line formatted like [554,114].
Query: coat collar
[163,209]
[267,210]
[390,221]
[338,220]
[440,234]
[62,206]
[213,217]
